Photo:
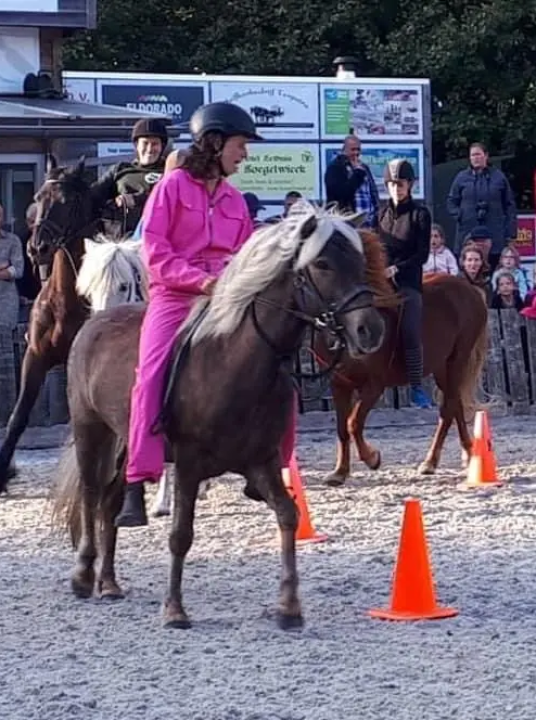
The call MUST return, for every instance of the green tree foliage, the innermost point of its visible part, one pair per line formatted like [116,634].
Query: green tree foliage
[480,56]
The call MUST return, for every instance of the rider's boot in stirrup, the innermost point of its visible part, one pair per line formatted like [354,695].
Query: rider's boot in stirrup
[133,512]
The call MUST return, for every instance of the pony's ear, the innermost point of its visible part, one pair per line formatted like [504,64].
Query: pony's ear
[357,220]
[51,163]
[90,245]
[308,227]
[81,166]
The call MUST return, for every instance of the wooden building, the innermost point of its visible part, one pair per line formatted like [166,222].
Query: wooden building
[35,116]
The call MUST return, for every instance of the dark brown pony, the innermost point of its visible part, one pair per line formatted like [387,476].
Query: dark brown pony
[230,401]
[455,347]
[64,217]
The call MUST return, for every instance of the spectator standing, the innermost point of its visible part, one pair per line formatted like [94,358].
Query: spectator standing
[481,195]
[29,284]
[350,183]
[11,269]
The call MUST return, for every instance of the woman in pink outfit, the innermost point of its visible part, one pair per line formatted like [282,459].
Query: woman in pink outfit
[193,223]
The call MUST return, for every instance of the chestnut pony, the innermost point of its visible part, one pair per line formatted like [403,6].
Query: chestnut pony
[455,346]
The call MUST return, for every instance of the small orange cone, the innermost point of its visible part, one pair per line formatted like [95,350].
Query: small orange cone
[305,531]
[413,596]
[482,470]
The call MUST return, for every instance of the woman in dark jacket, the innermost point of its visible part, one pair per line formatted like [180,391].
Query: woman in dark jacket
[481,195]
[405,230]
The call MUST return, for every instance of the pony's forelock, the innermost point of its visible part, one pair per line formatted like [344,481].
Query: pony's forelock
[106,266]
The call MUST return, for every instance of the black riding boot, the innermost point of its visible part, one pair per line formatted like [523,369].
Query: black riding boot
[133,512]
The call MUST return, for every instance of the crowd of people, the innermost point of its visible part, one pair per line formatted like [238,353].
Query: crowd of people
[482,205]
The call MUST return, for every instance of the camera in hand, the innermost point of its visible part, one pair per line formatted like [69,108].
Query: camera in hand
[481,210]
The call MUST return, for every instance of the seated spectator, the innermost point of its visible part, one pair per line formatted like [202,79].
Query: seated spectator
[506,296]
[474,269]
[291,198]
[441,259]
[254,207]
[509,260]
[481,236]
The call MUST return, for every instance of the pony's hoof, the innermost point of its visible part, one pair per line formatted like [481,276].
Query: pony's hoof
[82,588]
[109,590]
[161,512]
[465,460]
[335,479]
[289,622]
[176,618]
[427,468]
[374,460]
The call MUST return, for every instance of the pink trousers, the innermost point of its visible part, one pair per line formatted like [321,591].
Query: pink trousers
[162,321]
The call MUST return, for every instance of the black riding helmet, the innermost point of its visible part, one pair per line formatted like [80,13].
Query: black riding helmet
[224,117]
[150,127]
[398,169]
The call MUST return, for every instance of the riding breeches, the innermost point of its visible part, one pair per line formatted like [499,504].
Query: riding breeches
[411,332]
[146,450]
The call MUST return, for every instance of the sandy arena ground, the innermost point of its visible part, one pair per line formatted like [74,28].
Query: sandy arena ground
[64,658]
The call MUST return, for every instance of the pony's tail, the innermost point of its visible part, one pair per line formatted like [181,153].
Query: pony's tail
[474,396]
[66,494]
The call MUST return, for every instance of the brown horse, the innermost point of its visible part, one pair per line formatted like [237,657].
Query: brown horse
[455,346]
[58,311]
[228,405]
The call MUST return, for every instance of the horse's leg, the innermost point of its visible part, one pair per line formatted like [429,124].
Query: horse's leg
[268,479]
[342,396]
[368,397]
[464,435]
[107,585]
[180,542]
[92,468]
[446,415]
[33,373]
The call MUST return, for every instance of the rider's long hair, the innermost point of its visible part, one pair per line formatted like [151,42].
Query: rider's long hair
[203,159]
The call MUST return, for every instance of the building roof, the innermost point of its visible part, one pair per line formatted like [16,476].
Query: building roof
[21,116]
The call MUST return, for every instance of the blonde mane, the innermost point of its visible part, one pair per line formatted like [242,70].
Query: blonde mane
[261,260]
[107,266]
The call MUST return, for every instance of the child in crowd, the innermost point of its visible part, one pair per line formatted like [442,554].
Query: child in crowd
[509,261]
[474,269]
[441,259]
[507,295]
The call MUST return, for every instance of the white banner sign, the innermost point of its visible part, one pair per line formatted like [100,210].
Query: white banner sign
[281,110]
[29,6]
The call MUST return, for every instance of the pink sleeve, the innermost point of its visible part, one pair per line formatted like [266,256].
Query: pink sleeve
[166,266]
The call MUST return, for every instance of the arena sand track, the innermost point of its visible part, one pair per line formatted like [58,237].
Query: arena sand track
[63,658]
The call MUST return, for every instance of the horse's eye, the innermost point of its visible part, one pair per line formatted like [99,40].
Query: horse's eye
[123,287]
[321,264]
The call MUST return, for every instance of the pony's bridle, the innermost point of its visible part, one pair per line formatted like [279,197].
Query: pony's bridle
[327,320]
[61,238]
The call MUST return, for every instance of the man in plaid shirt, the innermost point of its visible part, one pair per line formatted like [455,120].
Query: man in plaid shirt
[350,183]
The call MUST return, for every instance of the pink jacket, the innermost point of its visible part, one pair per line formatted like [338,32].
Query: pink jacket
[188,235]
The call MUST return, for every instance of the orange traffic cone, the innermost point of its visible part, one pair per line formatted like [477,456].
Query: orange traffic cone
[482,470]
[305,531]
[413,596]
